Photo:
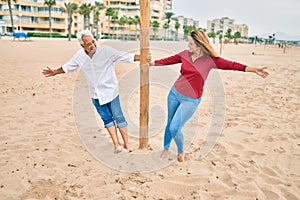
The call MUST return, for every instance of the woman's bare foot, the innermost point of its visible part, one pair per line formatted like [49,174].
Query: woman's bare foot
[180,157]
[164,154]
[128,149]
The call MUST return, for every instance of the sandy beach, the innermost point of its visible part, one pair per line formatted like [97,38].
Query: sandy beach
[53,144]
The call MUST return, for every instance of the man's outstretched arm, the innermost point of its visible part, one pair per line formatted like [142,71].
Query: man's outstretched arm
[137,57]
[49,72]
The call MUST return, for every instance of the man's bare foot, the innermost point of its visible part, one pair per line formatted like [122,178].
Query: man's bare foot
[118,149]
[180,157]
[164,154]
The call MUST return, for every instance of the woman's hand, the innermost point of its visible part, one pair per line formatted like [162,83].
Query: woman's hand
[149,59]
[261,72]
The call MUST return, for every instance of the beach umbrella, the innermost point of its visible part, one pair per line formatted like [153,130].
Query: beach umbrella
[144,72]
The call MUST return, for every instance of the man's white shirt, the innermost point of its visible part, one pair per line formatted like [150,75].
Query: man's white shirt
[100,71]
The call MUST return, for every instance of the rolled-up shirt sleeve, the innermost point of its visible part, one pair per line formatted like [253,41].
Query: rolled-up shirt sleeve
[71,65]
[120,56]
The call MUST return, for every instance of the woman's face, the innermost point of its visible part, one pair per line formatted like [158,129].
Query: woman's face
[192,45]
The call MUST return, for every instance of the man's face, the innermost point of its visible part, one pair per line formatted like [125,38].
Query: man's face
[89,44]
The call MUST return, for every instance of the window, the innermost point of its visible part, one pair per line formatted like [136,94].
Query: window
[34,20]
[26,8]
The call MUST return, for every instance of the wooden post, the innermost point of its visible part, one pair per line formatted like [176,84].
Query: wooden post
[144,72]
[284,48]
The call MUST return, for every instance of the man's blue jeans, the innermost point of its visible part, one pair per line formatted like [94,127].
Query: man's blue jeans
[180,109]
[111,113]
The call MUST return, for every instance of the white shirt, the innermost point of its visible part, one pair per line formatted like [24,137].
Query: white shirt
[100,71]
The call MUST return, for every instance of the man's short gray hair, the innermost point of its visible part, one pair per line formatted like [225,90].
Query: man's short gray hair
[83,33]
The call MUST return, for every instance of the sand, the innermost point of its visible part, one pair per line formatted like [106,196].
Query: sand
[242,143]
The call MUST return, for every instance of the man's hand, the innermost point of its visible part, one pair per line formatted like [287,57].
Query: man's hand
[49,72]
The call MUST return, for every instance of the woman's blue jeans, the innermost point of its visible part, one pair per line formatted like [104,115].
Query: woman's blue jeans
[111,113]
[180,109]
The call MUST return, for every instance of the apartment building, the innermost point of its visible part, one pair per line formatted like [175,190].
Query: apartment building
[33,16]
[224,24]
[131,8]
[183,21]
[242,28]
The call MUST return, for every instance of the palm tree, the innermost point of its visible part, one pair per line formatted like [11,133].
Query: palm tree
[168,16]
[122,22]
[177,26]
[97,8]
[115,18]
[187,30]
[228,35]
[50,4]
[136,21]
[212,35]
[166,26]
[69,8]
[109,13]
[85,10]
[10,12]
[155,25]
[130,21]
[236,37]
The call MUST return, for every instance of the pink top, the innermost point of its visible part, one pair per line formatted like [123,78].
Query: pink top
[193,74]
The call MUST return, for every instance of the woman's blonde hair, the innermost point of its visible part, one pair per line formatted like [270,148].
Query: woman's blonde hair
[202,41]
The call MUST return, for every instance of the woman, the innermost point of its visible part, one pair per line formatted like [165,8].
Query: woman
[185,95]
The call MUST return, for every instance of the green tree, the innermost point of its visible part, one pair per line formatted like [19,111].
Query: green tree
[212,35]
[155,24]
[10,12]
[236,37]
[228,35]
[69,8]
[177,26]
[96,16]
[137,22]
[130,21]
[115,18]
[187,30]
[166,26]
[109,13]
[50,4]
[272,38]
[85,10]
[122,22]
[168,16]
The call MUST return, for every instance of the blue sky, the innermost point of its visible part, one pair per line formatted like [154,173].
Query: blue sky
[262,16]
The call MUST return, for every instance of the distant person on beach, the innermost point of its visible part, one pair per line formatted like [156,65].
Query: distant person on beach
[185,95]
[97,63]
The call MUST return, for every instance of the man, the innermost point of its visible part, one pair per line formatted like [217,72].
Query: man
[97,63]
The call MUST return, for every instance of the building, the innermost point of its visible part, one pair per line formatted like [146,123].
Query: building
[131,9]
[242,28]
[224,24]
[33,16]
[183,21]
